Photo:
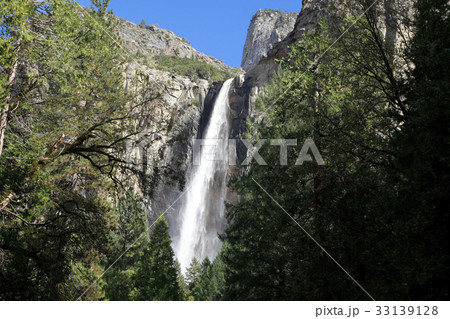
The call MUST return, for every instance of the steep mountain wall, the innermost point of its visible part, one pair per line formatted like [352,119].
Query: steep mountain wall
[267,27]
[249,86]
[152,40]
[160,154]
[182,109]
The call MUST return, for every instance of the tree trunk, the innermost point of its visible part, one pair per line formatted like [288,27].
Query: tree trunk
[319,174]
[5,112]
[3,121]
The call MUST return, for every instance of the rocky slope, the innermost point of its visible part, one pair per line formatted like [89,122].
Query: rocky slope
[247,87]
[160,154]
[148,40]
[267,27]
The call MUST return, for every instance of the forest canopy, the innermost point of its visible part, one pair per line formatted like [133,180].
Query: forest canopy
[376,106]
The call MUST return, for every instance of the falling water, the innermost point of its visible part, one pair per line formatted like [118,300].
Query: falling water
[202,210]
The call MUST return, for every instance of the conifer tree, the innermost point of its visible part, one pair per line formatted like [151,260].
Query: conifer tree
[368,196]
[212,281]
[423,157]
[62,119]
[157,277]
[193,277]
[130,224]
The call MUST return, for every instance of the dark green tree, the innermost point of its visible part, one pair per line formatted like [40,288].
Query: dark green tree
[130,224]
[211,284]
[157,277]
[373,206]
[193,276]
[269,256]
[62,121]
[423,157]
[181,282]
[193,272]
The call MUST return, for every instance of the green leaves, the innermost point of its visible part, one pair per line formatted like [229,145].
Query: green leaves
[65,116]
[347,96]
[147,270]
[157,276]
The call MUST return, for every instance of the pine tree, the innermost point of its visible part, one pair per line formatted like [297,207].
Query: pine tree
[193,277]
[157,277]
[181,282]
[129,226]
[62,95]
[352,107]
[193,272]
[212,281]
[424,157]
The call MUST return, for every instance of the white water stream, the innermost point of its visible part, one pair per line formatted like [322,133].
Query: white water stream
[202,210]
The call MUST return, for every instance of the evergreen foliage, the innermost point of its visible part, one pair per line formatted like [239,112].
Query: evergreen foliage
[146,269]
[120,280]
[206,281]
[212,282]
[378,205]
[61,103]
[157,277]
[423,155]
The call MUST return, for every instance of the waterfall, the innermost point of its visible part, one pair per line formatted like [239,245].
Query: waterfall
[202,209]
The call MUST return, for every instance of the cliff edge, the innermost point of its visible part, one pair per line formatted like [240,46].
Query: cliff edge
[267,27]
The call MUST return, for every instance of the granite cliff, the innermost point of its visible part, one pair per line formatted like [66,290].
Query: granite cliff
[185,101]
[248,87]
[181,79]
[267,27]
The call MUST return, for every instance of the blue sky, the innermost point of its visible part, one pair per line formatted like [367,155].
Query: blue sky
[216,28]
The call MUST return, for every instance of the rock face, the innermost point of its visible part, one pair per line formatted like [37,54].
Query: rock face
[267,27]
[149,39]
[160,154]
[168,121]
[308,18]
[184,104]
[248,87]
